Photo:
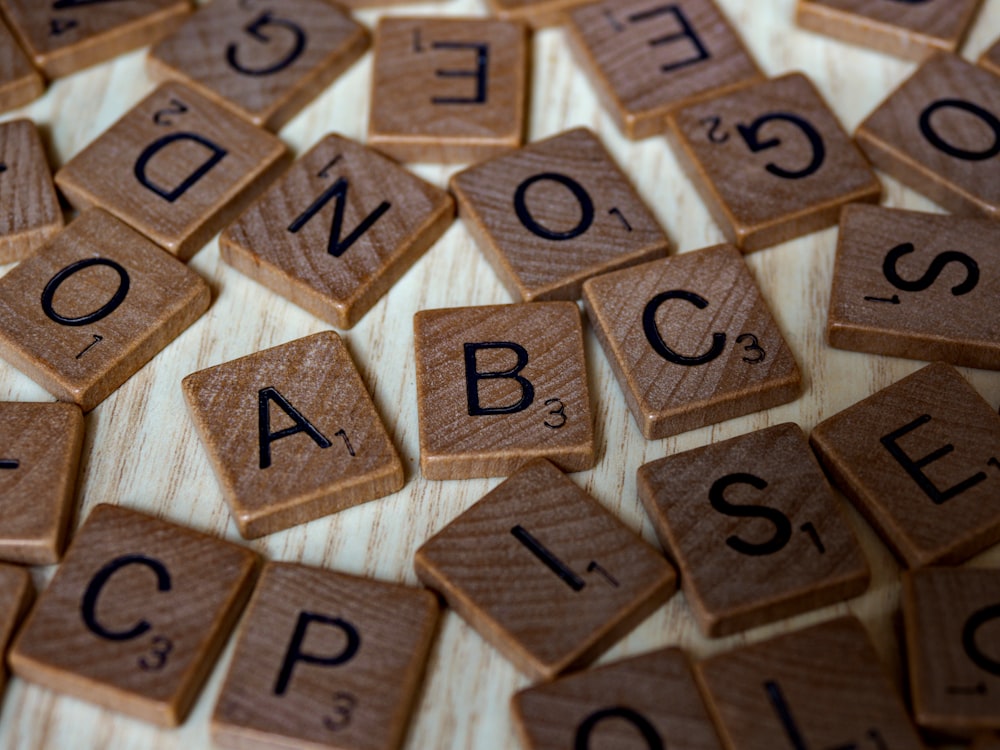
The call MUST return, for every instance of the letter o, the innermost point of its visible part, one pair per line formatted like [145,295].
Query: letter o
[102,312]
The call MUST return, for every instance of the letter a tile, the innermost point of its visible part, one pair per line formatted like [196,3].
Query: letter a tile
[754,528]
[292,434]
[136,615]
[921,461]
[32,215]
[544,573]
[20,83]
[16,593]
[771,161]
[325,660]
[89,309]
[266,63]
[555,213]
[176,167]
[691,341]
[338,230]
[499,385]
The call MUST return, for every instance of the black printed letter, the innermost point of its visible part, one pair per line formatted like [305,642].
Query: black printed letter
[656,340]
[480,73]
[255,29]
[217,154]
[338,190]
[646,729]
[940,144]
[265,397]
[295,654]
[49,293]
[581,195]
[473,376]
[686,32]
[937,266]
[749,133]
[783,527]
[88,607]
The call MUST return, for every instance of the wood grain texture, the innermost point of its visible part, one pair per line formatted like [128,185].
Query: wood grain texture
[16,595]
[536,12]
[20,82]
[990,59]
[325,660]
[31,213]
[39,458]
[83,314]
[136,615]
[339,454]
[917,285]
[544,573]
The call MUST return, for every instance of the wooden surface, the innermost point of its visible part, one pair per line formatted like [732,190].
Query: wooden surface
[142,451]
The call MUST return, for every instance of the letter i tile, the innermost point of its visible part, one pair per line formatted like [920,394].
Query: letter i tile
[292,434]
[499,385]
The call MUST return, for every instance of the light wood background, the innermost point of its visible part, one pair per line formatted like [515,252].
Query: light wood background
[141,449]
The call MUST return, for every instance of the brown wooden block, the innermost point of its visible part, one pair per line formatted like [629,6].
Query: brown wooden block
[16,594]
[544,573]
[916,285]
[822,687]
[646,58]
[538,13]
[499,385]
[939,133]
[952,619]
[39,456]
[325,660]
[771,161]
[990,59]
[136,615]
[292,434]
[691,341]
[338,230]
[20,83]
[987,742]
[555,213]
[31,214]
[754,528]
[176,167]
[64,37]
[913,30]
[652,696]
[265,63]
[450,90]
[921,460]
[87,311]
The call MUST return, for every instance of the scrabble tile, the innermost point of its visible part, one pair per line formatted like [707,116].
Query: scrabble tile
[449,90]
[555,213]
[538,13]
[686,348]
[136,615]
[771,161]
[176,167]
[39,456]
[32,214]
[915,285]
[16,594]
[499,385]
[87,311]
[919,459]
[652,696]
[20,83]
[325,660]
[990,59]
[822,687]
[265,63]
[912,29]
[646,58]
[338,230]
[67,36]
[939,133]
[292,434]
[544,573]
[952,619]
[754,528]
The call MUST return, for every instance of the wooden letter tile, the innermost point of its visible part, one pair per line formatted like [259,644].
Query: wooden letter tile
[990,59]
[266,63]
[771,161]
[20,83]
[538,13]
[939,133]
[687,348]
[499,385]
[64,37]
[952,621]
[338,230]
[906,28]
[31,214]
[292,434]
[136,615]
[450,90]
[325,660]
[652,696]
[85,312]
[915,285]
[921,460]
[647,57]
[754,529]
[555,213]
[176,167]
[39,455]
[16,594]
[544,573]
[821,688]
